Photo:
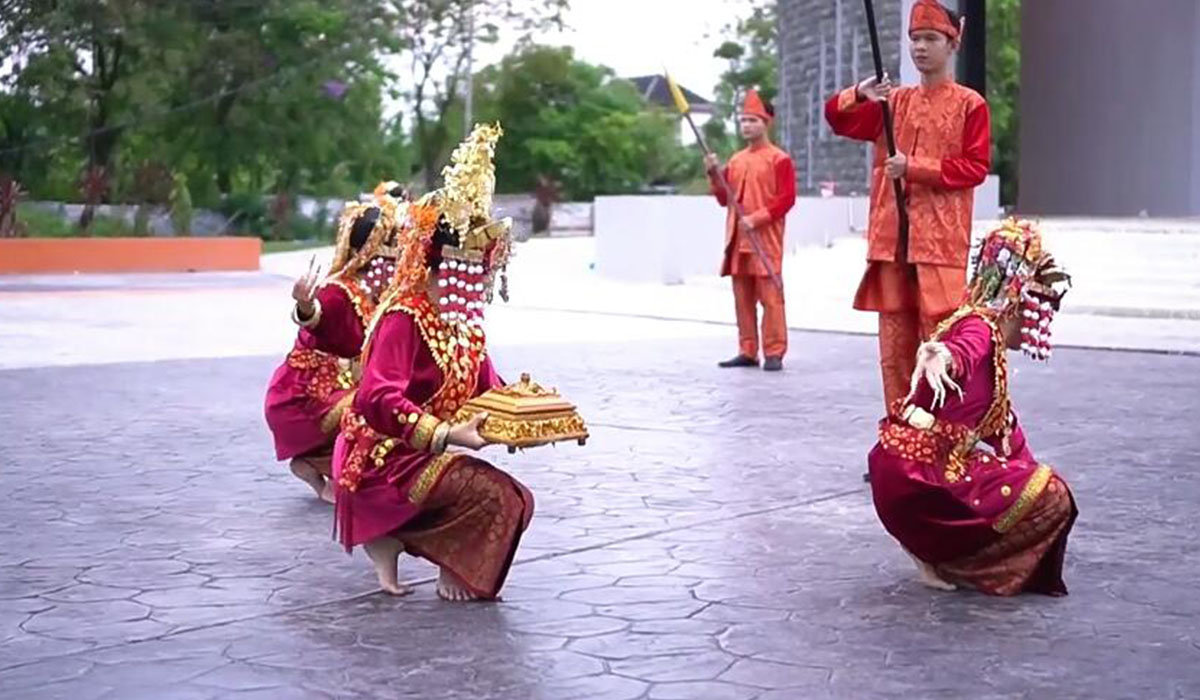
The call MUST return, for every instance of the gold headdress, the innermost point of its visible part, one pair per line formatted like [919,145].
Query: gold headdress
[1015,274]
[452,228]
[380,243]
[469,181]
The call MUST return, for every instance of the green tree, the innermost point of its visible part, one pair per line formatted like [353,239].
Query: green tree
[576,123]
[10,199]
[1004,90]
[437,36]
[234,94]
[289,91]
[152,187]
[80,62]
[752,54]
[23,121]
[246,100]
[181,206]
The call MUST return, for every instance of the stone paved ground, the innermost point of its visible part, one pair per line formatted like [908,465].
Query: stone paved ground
[713,541]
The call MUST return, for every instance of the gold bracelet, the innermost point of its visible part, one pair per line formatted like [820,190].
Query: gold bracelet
[423,432]
[440,435]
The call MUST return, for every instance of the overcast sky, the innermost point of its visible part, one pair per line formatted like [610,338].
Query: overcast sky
[639,37]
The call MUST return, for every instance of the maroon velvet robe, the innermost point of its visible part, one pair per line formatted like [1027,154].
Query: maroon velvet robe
[944,507]
[453,509]
[310,385]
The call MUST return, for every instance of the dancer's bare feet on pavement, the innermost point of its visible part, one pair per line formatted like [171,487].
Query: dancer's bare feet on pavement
[384,553]
[928,576]
[451,588]
[303,469]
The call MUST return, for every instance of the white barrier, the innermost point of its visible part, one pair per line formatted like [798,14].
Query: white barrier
[664,239]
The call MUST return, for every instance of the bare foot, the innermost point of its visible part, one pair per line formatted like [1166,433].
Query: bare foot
[304,470]
[327,494]
[451,588]
[384,553]
[323,463]
[928,576]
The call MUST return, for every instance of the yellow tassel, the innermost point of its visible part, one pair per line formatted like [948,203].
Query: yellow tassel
[681,102]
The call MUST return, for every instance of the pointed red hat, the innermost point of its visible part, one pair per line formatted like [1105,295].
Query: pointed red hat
[754,105]
[929,14]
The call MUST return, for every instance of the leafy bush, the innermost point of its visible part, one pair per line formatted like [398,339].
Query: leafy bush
[247,213]
[181,206]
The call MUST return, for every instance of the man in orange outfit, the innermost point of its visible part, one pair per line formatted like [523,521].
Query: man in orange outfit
[916,278]
[763,180]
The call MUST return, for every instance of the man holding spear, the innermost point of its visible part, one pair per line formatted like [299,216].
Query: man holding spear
[940,151]
[758,187]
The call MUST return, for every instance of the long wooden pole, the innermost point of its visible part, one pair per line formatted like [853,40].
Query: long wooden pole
[889,134]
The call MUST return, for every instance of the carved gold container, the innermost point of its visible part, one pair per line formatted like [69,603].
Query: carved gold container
[525,415]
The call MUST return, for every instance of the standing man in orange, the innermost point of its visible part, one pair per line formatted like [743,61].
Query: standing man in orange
[763,181]
[917,277]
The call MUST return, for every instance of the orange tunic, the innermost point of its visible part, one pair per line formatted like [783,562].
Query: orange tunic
[764,181]
[944,131]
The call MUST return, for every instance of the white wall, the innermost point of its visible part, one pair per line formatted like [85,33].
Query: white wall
[658,238]
[663,239]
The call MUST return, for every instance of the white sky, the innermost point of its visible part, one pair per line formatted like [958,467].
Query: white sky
[640,37]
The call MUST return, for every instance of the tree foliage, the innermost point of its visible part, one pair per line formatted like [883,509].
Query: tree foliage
[253,103]
[752,54]
[575,123]
[1004,89]
[438,37]
[235,96]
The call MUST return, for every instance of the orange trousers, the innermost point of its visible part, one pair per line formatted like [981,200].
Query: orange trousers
[750,291]
[911,300]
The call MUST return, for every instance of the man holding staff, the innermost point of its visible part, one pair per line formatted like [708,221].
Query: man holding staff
[916,264]
[758,186]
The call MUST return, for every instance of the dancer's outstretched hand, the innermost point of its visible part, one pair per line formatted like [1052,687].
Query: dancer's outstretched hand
[305,287]
[467,434]
[933,366]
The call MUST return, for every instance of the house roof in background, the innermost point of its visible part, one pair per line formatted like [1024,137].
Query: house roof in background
[655,90]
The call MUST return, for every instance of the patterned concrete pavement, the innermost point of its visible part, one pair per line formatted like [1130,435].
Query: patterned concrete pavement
[713,541]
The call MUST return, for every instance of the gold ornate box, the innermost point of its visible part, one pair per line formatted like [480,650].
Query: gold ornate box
[525,415]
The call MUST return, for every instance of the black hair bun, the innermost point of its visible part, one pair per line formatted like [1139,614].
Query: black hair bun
[444,234]
[363,225]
